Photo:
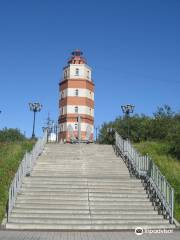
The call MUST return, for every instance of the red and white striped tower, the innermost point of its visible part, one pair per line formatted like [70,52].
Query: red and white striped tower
[76,101]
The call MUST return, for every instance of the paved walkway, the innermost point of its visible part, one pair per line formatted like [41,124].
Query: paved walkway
[26,235]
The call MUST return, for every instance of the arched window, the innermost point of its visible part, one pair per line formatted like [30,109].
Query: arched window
[76,109]
[77,72]
[76,126]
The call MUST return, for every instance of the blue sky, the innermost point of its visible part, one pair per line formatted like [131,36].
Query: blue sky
[133,47]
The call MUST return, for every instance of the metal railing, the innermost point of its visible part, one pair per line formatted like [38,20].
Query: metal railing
[157,187]
[24,169]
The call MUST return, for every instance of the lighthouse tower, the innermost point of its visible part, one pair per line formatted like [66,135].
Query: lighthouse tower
[76,103]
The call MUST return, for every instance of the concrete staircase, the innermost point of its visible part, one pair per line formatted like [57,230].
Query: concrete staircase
[82,187]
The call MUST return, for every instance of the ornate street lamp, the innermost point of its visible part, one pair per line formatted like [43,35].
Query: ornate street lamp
[110,136]
[79,127]
[127,109]
[96,130]
[34,107]
[110,130]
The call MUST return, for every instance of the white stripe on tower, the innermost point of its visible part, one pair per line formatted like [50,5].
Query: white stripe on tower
[82,92]
[68,109]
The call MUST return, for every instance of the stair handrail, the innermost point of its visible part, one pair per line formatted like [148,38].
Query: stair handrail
[158,188]
[24,169]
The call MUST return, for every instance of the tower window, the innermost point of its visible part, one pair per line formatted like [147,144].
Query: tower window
[76,109]
[62,111]
[77,72]
[76,126]
[76,92]
[88,74]
[62,94]
[65,74]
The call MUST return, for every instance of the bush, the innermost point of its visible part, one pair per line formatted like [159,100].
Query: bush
[11,135]
[174,141]
[11,155]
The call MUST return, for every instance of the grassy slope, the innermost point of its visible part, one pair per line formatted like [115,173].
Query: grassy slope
[169,166]
[11,155]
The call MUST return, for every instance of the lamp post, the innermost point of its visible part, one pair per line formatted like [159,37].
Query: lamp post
[56,130]
[96,129]
[34,107]
[79,127]
[127,109]
[111,132]
[48,126]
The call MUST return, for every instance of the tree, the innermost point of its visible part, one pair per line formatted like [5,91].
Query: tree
[163,126]
[105,136]
[162,122]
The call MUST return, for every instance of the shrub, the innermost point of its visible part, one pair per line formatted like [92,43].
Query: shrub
[174,141]
[11,135]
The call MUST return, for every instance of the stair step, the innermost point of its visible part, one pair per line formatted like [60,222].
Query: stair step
[85,216]
[114,212]
[92,202]
[98,176]
[79,198]
[85,221]
[83,206]
[53,206]
[81,195]
[80,180]
[49,210]
[100,188]
[82,191]
[128,226]
[52,202]
[89,184]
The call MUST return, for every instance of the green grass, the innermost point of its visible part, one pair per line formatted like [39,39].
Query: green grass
[169,166]
[11,155]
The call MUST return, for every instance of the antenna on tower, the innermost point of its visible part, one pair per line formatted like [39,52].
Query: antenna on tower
[48,120]
[77,52]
